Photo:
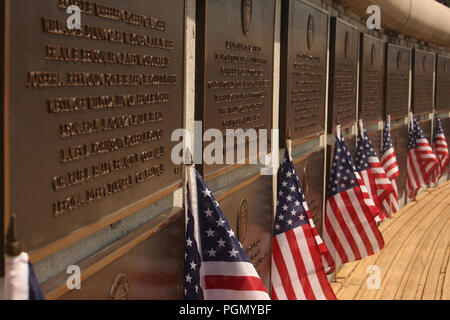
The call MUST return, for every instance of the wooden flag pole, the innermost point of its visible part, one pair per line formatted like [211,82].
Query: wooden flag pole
[388,120]
[339,136]
[361,128]
[289,143]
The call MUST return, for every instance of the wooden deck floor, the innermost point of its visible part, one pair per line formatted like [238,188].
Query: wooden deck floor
[414,264]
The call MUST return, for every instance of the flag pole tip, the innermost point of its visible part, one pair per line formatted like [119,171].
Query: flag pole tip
[289,135]
[13,246]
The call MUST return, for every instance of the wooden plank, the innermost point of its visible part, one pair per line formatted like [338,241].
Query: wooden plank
[405,222]
[422,255]
[446,285]
[429,283]
[442,275]
[348,292]
[402,261]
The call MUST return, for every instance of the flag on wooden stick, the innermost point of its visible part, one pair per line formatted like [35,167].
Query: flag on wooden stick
[422,162]
[350,230]
[300,259]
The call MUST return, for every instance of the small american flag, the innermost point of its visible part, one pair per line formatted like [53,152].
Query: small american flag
[373,175]
[350,230]
[216,267]
[440,147]
[390,166]
[300,259]
[422,162]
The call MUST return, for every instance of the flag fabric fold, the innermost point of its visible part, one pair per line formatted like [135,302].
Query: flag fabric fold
[350,231]
[440,147]
[372,173]
[216,266]
[390,166]
[20,280]
[422,162]
[300,259]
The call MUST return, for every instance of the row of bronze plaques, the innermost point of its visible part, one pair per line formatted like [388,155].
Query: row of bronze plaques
[383,79]
[89,113]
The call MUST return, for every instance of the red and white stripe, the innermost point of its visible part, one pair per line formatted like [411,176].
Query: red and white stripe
[422,163]
[327,260]
[441,150]
[297,267]
[368,200]
[350,230]
[390,166]
[378,185]
[231,281]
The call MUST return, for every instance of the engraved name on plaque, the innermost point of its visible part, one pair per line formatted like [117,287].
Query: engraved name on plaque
[344,52]
[303,75]
[372,79]
[234,77]
[443,83]
[423,71]
[90,110]
[397,81]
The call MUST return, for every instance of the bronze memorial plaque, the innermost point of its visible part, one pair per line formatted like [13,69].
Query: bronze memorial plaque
[249,210]
[425,125]
[90,110]
[344,52]
[234,85]
[399,137]
[372,79]
[303,70]
[397,81]
[443,83]
[310,174]
[422,86]
[350,141]
[151,270]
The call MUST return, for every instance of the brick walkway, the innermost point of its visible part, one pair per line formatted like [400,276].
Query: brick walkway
[415,261]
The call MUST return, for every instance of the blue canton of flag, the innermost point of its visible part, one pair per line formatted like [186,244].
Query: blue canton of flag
[216,265]
[192,262]
[387,140]
[290,211]
[343,170]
